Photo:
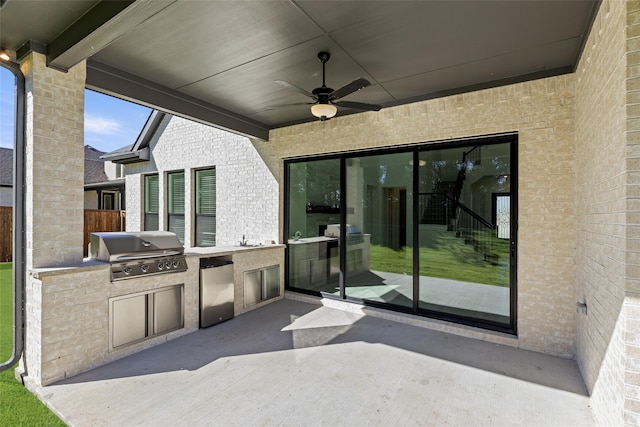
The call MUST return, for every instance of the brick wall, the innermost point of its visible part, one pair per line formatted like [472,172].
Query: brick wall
[631,310]
[54,163]
[542,113]
[602,211]
[54,169]
[247,191]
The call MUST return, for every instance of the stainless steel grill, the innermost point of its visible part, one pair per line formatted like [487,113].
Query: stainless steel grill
[139,254]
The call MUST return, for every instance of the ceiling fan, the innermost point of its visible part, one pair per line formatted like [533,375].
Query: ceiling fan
[325,99]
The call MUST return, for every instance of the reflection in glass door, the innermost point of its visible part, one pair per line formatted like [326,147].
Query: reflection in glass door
[314,210]
[464,232]
[379,255]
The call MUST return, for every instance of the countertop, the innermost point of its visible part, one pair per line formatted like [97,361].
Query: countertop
[93,264]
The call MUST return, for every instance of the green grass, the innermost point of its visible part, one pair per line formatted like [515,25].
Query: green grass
[445,256]
[18,407]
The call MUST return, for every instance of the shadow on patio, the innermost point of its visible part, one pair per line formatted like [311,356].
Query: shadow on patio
[294,363]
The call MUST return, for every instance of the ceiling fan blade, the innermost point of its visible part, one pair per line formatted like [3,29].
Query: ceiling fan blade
[296,88]
[354,86]
[358,105]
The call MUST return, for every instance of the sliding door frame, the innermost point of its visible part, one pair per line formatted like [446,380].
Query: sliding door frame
[511,138]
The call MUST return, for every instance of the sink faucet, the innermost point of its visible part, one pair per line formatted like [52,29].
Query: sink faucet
[243,242]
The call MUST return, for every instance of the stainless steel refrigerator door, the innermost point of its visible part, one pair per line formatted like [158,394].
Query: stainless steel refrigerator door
[216,295]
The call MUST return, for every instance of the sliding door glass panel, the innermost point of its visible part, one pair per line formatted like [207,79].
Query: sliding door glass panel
[314,207]
[464,231]
[379,255]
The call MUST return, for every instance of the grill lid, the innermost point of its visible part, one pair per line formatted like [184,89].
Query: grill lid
[121,246]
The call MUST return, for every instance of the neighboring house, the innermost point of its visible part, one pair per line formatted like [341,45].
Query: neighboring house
[103,182]
[6,177]
[209,186]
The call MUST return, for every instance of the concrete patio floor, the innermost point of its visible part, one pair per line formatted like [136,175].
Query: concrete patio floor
[298,364]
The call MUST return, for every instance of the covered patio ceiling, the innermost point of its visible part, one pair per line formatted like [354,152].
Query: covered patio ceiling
[217,61]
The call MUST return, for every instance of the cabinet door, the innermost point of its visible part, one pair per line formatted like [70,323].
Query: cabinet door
[167,310]
[252,287]
[129,320]
[271,282]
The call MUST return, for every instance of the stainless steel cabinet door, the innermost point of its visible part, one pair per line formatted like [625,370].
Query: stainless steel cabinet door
[128,320]
[271,277]
[167,310]
[252,287]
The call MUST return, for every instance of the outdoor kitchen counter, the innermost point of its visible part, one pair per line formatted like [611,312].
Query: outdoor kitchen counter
[70,307]
[245,259]
[228,250]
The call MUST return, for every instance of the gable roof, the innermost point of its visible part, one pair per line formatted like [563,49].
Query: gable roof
[139,151]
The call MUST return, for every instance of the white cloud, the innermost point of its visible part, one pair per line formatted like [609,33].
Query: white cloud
[101,125]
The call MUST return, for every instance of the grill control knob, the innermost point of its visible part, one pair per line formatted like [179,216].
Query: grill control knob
[126,270]
[167,265]
[160,266]
[176,264]
[144,268]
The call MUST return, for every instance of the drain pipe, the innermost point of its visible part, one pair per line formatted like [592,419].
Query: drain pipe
[18,219]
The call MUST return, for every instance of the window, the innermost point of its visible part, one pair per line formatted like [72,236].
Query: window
[151,202]
[175,203]
[205,207]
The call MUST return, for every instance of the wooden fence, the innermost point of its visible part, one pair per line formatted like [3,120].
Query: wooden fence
[6,225]
[94,220]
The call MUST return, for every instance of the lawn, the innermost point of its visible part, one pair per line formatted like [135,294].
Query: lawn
[18,407]
[445,256]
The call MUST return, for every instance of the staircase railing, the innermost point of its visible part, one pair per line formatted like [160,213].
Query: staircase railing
[462,220]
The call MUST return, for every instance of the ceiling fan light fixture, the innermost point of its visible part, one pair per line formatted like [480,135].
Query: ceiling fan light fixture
[324,111]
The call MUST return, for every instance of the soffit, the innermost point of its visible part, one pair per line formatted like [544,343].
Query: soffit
[217,61]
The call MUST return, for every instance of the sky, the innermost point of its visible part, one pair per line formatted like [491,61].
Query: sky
[109,123]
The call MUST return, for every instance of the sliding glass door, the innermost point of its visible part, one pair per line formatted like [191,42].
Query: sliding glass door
[428,230]
[464,251]
[379,260]
[313,212]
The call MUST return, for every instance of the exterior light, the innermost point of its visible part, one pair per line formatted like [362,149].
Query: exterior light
[324,111]
[4,54]
[421,162]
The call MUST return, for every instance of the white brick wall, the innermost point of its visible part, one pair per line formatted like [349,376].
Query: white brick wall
[247,191]
[604,214]
[54,197]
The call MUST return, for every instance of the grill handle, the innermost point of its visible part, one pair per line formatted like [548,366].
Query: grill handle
[147,255]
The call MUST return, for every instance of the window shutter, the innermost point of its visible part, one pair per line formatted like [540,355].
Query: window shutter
[206,191]
[176,192]
[205,207]
[152,194]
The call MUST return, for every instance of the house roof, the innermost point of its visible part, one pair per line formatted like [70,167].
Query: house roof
[93,167]
[138,151]
[6,167]
[217,62]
